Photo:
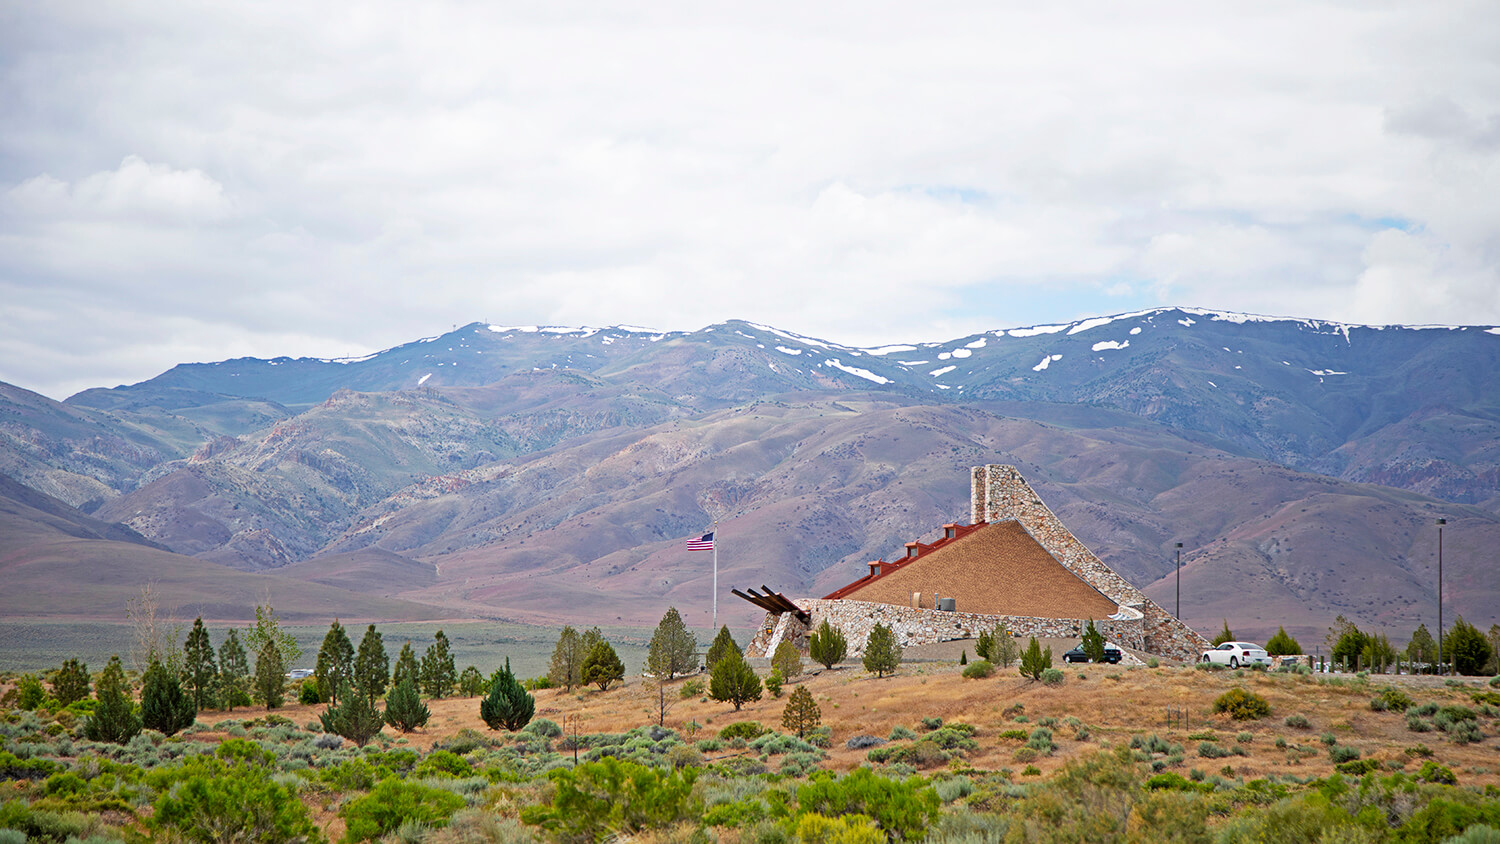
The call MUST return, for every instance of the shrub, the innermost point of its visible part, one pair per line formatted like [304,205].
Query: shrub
[1417,723]
[904,810]
[691,689]
[900,732]
[1052,677]
[232,790]
[1025,754]
[774,682]
[743,730]
[1357,767]
[394,802]
[1340,753]
[1242,705]
[1433,772]
[1465,732]
[1298,722]
[931,723]
[1391,698]
[308,692]
[544,727]
[861,742]
[611,797]
[1210,750]
[979,669]
[1041,741]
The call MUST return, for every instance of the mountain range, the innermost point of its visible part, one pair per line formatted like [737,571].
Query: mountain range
[551,474]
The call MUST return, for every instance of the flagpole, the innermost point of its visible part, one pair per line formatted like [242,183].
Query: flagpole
[716,577]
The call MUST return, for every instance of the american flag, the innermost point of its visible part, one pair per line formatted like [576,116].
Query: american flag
[702,543]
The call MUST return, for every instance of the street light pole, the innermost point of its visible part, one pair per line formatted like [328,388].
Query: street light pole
[1441,666]
[1179,582]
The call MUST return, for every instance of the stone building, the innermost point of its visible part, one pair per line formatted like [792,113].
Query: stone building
[1014,562]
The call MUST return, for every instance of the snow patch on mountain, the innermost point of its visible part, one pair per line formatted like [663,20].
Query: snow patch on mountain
[936,373]
[1047,360]
[1110,344]
[854,370]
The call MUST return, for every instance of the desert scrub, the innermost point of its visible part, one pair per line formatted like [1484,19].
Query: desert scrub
[1242,705]
[1052,677]
[1041,741]
[1340,753]
[899,733]
[743,730]
[1210,750]
[1297,722]
[1392,699]
[979,669]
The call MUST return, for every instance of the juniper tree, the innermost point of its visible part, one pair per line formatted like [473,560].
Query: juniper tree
[1035,660]
[787,660]
[1093,643]
[71,682]
[508,705]
[404,709]
[113,719]
[335,669]
[372,668]
[1004,649]
[270,686]
[356,719]
[984,647]
[882,654]
[439,672]
[1422,649]
[198,668]
[267,628]
[1466,649]
[827,645]
[734,681]
[165,707]
[603,666]
[407,667]
[673,648]
[1224,635]
[1282,644]
[566,668]
[234,670]
[723,643]
[801,714]
[471,682]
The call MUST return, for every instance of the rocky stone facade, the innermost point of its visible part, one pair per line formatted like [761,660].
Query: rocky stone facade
[999,493]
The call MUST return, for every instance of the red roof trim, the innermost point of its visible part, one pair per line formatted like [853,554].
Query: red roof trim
[922,550]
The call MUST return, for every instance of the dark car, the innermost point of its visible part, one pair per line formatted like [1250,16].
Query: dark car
[1111,654]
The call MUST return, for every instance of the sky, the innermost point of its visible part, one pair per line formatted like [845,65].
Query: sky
[195,182]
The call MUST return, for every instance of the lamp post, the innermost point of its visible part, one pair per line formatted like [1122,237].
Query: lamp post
[1179,582]
[1441,666]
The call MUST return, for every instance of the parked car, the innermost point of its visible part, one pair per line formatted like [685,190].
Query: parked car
[299,673]
[1236,654]
[1112,654]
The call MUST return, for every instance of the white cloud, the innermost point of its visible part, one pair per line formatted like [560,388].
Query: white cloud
[300,176]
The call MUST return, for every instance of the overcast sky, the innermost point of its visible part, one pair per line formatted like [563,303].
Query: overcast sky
[183,182]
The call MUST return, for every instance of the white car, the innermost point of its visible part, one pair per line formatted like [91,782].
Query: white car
[1236,654]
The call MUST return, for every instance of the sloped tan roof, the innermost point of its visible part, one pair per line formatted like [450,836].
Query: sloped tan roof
[994,569]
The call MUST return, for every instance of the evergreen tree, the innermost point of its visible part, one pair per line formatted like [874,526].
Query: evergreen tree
[372,668]
[404,709]
[734,681]
[439,672]
[198,668]
[1421,651]
[882,654]
[1348,643]
[1494,639]
[1004,649]
[267,628]
[165,707]
[801,714]
[1282,644]
[270,684]
[963,657]
[787,660]
[566,669]
[508,705]
[114,719]
[673,648]
[1093,643]
[1035,660]
[827,645]
[985,647]
[723,643]
[1466,649]
[603,666]
[234,670]
[335,668]
[471,683]
[1224,635]
[407,667]
[1377,653]
[356,719]
[71,682]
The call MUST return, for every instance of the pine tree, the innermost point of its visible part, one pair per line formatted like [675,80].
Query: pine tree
[114,719]
[1466,649]
[407,667]
[71,682]
[603,666]
[508,705]
[404,709]
[372,668]
[335,668]
[882,654]
[801,714]
[723,643]
[198,668]
[963,658]
[673,648]
[270,685]
[471,683]
[267,628]
[1421,650]
[566,669]
[1282,644]
[165,707]
[439,673]
[1003,648]
[1224,635]
[1035,660]
[356,719]
[234,670]
[1093,643]
[827,645]
[787,660]
[734,681]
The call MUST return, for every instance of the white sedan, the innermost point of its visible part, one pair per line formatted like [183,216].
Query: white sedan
[1235,654]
